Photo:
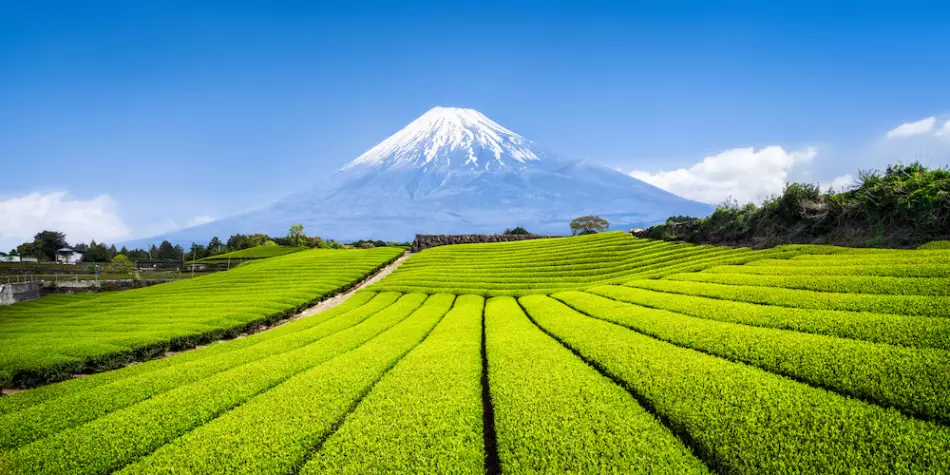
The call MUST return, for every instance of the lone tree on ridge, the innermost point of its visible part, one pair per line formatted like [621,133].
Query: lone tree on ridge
[296,235]
[588,225]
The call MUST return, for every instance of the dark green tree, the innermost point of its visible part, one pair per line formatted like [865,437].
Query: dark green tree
[48,242]
[588,225]
[214,246]
[517,230]
[166,251]
[196,251]
[29,249]
[296,236]
[96,252]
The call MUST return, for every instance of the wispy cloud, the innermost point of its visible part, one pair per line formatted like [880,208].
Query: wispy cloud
[909,129]
[944,131]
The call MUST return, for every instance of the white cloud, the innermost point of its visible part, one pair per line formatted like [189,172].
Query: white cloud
[81,220]
[843,182]
[909,129]
[199,220]
[744,174]
[944,131]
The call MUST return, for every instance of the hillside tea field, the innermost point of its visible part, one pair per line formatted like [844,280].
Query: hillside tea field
[595,354]
[50,338]
[256,252]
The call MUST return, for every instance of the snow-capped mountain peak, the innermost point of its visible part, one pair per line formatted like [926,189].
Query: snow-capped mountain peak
[452,137]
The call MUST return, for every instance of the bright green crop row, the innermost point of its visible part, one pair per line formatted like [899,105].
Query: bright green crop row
[669,267]
[424,416]
[917,258]
[555,414]
[910,331]
[257,252]
[805,299]
[26,399]
[884,270]
[875,254]
[934,245]
[275,432]
[584,267]
[576,259]
[41,343]
[746,420]
[612,258]
[935,286]
[916,381]
[120,437]
[517,247]
[57,415]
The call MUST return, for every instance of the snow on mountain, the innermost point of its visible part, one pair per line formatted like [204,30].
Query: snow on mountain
[451,171]
[451,137]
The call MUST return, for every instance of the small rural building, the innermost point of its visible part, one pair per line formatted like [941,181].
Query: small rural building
[68,255]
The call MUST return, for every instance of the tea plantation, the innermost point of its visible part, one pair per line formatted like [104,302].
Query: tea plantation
[594,354]
[50,338]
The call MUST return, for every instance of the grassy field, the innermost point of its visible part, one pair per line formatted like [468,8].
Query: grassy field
[596,354]
[53,337]
[257,252]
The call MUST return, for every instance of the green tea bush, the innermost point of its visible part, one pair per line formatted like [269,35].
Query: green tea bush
[42,342]
[743,419]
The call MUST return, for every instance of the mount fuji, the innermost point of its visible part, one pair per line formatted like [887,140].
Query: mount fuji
[454,171]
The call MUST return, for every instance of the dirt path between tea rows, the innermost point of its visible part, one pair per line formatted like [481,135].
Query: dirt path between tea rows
[340,298]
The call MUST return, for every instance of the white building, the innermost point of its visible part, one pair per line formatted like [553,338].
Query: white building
[68,255]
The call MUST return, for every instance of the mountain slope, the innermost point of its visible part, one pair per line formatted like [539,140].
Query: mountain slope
[455,171]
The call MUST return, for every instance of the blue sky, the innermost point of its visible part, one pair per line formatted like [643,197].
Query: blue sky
[154,115]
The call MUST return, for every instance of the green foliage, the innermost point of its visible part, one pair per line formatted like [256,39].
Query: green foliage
[904,330]
[43,343]
[96,252]
[274,433]
[935,245]
[904,205]
[517,230]
[47,243]
[74,408]
[805,299]
[548,402]
[588,225]
[625,355]
[263,251]
[912,380]
[296,235]
[425,416]
[743,419]
[118,438]
[549,265]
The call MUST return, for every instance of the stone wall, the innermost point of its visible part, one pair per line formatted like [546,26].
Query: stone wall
[425,241]
[12,293]
[69,286]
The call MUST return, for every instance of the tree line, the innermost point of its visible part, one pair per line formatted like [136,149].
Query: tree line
[45,244]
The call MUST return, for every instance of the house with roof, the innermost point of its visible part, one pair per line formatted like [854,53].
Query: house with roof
[68,255]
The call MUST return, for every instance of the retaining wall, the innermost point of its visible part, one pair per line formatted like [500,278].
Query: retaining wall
[19,292]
